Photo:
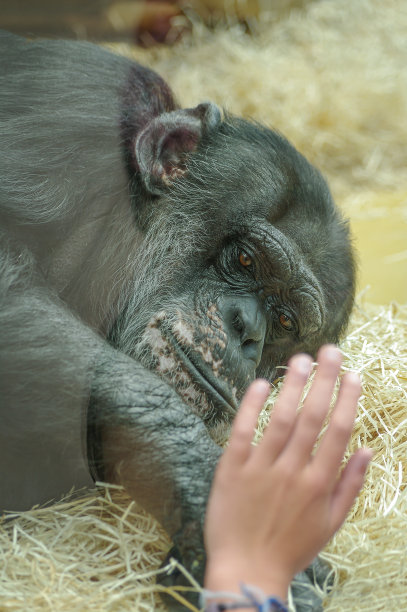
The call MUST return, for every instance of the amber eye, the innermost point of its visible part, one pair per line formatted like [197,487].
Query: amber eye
[245,260]
[286,322]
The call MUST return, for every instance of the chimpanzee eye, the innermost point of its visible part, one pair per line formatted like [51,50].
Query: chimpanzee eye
[286,322]
[244,259]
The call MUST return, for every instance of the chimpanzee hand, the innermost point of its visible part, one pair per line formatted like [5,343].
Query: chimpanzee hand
[165,463]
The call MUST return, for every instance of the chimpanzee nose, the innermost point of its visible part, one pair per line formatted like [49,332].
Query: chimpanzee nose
[245,323]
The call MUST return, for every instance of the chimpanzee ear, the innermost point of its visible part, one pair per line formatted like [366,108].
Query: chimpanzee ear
[162,146]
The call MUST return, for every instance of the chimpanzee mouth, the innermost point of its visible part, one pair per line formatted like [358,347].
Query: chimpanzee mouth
[203,378]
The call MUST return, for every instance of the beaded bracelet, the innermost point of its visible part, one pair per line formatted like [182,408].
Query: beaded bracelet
[253,598]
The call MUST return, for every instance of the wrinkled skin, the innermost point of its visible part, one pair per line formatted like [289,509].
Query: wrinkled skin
[153,261]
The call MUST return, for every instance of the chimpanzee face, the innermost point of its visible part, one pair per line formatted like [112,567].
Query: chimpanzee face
[266,272]
[241,318]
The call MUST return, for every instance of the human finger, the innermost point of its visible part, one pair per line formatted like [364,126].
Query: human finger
[246,420]
[348,486]
[333,445]
[316,406]
[285,410]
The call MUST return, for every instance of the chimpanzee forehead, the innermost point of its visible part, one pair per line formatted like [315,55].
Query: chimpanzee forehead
[283,268]
[244,169]
[252,185]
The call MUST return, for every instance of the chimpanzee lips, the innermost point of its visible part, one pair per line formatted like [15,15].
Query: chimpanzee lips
[203,377]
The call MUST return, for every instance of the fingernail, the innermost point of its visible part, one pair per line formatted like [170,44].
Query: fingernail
[353,378]
[365,456]
[262,385]
[331,351]
[302,364]
[330,355]
[368,453]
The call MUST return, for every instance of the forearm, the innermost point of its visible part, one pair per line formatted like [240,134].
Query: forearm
[152,443]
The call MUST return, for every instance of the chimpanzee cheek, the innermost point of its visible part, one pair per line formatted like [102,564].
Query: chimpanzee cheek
[206,335]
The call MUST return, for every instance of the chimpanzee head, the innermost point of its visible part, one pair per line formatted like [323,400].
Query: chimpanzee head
[251,260]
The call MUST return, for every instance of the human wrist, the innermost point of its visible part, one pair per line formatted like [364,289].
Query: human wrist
[250,598]
[224,575]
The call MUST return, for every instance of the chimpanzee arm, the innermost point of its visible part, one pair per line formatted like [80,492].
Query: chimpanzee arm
[44,386]
[52,364]
[155,446]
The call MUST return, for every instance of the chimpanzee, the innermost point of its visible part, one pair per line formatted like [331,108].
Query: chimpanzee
[154,260]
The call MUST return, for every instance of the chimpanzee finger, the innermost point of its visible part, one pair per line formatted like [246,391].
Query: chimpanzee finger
[316,407]
[284,413]
[245,421]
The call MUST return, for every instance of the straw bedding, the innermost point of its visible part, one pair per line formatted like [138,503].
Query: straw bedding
[333,78]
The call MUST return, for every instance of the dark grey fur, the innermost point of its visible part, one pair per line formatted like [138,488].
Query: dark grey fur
[122,218]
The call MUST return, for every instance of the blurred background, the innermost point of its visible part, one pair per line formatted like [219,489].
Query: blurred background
[330,74]
[147,22]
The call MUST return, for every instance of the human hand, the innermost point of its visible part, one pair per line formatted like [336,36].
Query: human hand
[273,506]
